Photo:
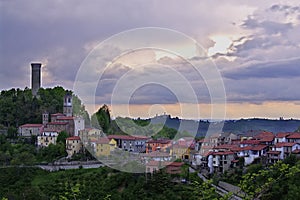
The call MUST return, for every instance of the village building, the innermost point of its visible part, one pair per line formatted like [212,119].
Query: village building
[47,137]
[73,145]
[130,143]
[28,130]
[220,161]
[162,145]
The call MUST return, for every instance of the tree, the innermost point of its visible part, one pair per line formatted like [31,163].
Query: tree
[12,132]
[62,136]
[102,119]
[279,181]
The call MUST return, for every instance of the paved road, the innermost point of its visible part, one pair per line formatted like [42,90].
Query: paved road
[58,167]
[219,190]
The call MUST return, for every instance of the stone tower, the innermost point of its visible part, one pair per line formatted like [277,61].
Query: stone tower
[45,118]
[68,109]
[35,78]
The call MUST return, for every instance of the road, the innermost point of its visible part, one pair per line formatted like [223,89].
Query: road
[59,167]
[219,190]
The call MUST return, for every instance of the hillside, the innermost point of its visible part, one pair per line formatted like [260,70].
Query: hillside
[241,126]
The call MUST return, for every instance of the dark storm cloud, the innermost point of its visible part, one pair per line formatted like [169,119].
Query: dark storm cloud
[281,69]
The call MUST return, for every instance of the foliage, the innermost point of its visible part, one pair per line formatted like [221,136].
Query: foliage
[101,119]
[19,107]
[101,183]
[62,136]
[279,181]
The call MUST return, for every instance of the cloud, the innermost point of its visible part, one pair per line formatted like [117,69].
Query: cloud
[280,69]
[261,64]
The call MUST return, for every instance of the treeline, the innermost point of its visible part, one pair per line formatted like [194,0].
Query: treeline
[128,126]
[101,183]
[19,107]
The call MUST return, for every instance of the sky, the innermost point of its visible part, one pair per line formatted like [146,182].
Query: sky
[201,59]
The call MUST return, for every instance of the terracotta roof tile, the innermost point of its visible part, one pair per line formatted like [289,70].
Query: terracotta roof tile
[31,125]
[294,136]
[73,138]
[284,144]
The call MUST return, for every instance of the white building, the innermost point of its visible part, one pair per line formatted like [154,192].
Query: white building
[47,137]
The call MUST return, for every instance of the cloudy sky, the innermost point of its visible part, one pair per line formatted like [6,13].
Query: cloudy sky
[251,49]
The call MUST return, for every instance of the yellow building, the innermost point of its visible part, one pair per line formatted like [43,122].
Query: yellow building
[73,145]
[102,147]
[112,144]
[181,152]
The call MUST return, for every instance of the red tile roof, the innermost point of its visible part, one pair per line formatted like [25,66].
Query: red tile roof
[222,153]
[264,135]
[32,126]
[282,135]
[57,123]
[284,144]
[126,137]
[250,142]
[259,147]
[274,152]
[294,136]
[226,146]
[164,163]
[73,138]
[267,139]
[65,118]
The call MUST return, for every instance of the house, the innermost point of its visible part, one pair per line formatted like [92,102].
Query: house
[220,161]
[47,137]
[252,152]
[182,148]
[273,156]
[294,137]
[88,134]
[266,138]
[171,167]
[130,143]
[102,147]
[73,145]
[28,130]
[162,145]
[285,149]
[281,137]
[227,137]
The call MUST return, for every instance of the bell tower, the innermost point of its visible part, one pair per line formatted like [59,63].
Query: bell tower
[45,118]
[68,109]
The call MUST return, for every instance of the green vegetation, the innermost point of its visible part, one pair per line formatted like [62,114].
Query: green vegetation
[124,126]
[278,181]
[101,183]
[101,119]
[21,153]
[19,107]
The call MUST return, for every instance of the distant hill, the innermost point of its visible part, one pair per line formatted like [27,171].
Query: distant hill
[241,126]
